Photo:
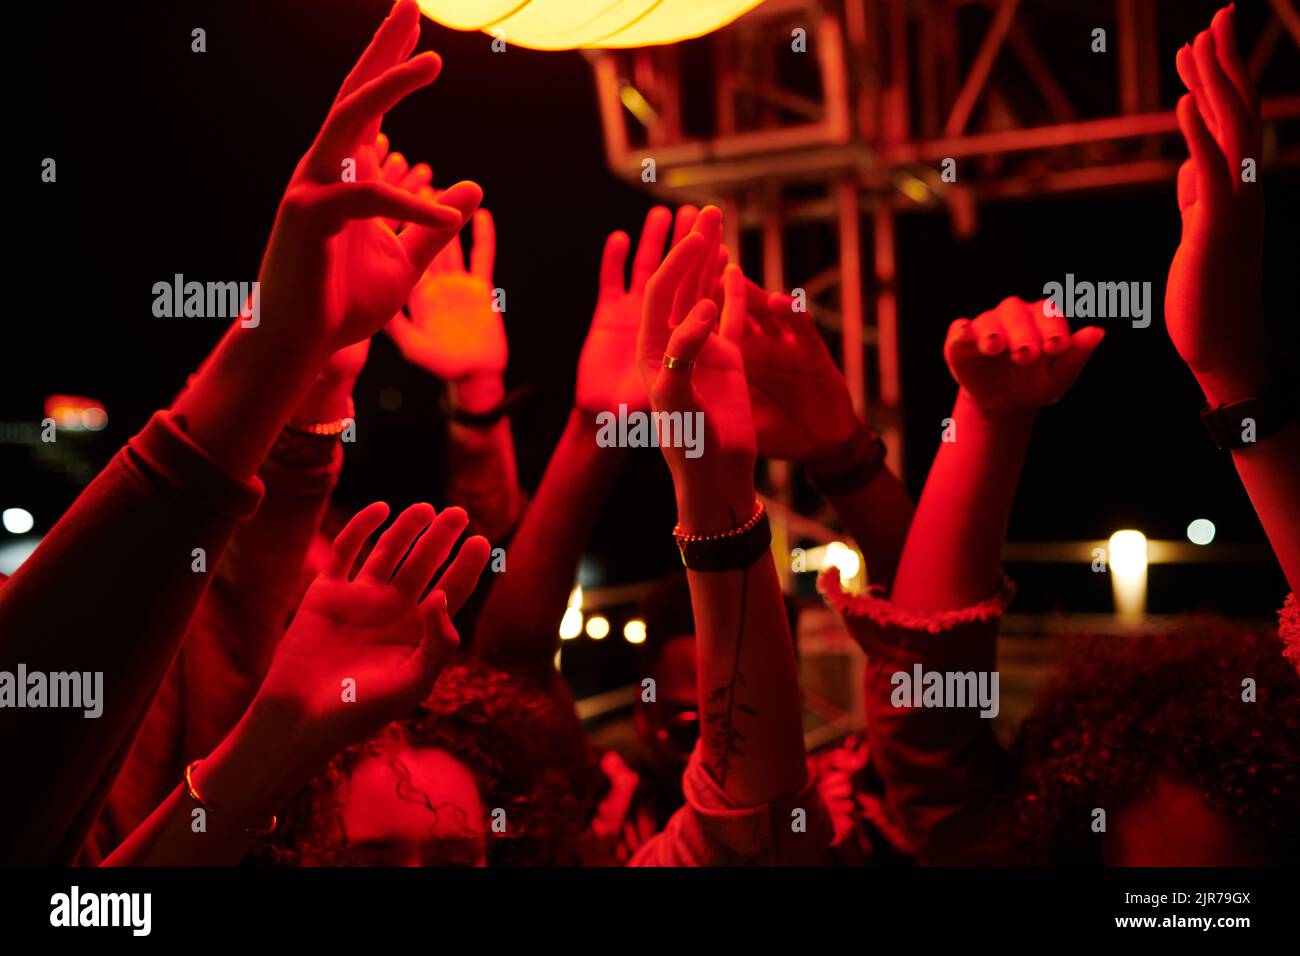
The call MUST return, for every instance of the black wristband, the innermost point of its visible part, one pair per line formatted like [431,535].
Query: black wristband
[866,455]
[493,415]
[1240,424]
[733,552]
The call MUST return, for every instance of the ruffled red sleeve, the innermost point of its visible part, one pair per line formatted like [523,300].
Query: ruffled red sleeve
[940,764]
[1288,629]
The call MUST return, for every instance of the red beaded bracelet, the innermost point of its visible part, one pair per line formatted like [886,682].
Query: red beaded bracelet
[685,538]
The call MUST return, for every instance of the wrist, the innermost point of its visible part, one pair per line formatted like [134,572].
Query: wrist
[476,393]
[328,399]
[708,509]
[256,769]
[969,411]
[837,457]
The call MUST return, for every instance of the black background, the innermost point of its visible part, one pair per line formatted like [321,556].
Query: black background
[173,162]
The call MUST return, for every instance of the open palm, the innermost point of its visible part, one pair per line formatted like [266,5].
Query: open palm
[362,650]
[334,268]
[800,400]
[1213,305]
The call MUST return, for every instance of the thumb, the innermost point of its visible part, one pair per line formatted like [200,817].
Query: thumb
[422,242]
[1082,344]
[440,641]
[673,385]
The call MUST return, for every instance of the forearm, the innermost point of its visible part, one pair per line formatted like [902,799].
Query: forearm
[877,517]
[518,627]
[1269,468]
[250,774]
[952,555]
[484,479]
[748,685]
[164,511]
[242,396]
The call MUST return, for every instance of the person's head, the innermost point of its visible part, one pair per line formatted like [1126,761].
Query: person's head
[669,727]
[1189,743]
[490,770]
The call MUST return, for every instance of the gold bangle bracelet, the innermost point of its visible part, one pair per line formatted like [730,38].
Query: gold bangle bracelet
[194,795]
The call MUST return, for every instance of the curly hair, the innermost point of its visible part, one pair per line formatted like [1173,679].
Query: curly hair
[1123,711]
[526,751]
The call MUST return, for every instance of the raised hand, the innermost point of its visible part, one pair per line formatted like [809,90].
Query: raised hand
[1014,359]
[1213,303]
[376,629]
[714,482]
[454,331]
[334,268]
[607,370]
[802,407]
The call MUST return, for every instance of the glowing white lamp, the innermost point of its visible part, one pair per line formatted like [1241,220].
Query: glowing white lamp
[17,520]
[1200,531]
[844,559]
[1128,573]
[597,627]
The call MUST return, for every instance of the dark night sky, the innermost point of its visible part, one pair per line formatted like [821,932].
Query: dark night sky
[170,161]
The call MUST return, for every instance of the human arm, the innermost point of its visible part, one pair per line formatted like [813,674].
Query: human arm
[360,652]
[164,508]
[1214,309]
[747,785]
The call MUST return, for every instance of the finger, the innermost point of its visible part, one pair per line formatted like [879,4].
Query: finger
[381,147]
[329,208]
[423,243]
[419,176]
[990,334]
[1223,26]
[674,384]
[659,294]
[1211,166]
[391,44]
[684,223]
[710,271]
[722,260]
[413,577]
[1024,341]
[612,262]
[439,643]
[459,580]
[482,256]
[347,121]
[708,224]
[349,541]
[1186,184]
[1053,330]
[779,313]
[394,168]
[734,305]
[453,255]
[961,344]
[1232,134]
[395,542]
[1185,62]
[650,247]
[1083,343]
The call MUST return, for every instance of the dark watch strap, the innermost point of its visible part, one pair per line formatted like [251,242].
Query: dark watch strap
[487,419]
[864,458]
[1242,423]
[734,553]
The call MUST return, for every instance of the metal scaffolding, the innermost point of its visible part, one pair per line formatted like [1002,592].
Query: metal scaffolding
[832,112]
